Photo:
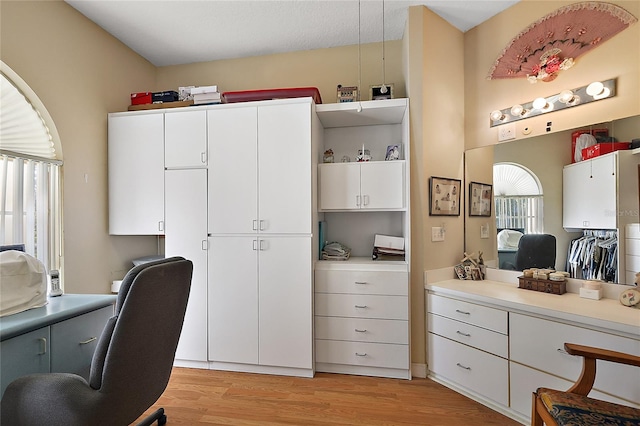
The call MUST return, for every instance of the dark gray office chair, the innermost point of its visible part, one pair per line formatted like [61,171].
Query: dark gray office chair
[536,251]
[132,363]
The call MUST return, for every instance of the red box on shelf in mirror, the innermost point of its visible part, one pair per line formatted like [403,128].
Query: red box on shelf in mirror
[603,148]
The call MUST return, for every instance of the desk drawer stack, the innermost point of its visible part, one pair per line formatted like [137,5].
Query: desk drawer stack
[362,319]
[469,346]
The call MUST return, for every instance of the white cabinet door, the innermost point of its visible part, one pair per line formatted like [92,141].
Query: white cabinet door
[603,190]
[339,186]
[186,236]
[376,185]
[136,174]
[382,185]
[286,330]
[233,176]
[589,194]
[284,168]
[233,299]
[185,138]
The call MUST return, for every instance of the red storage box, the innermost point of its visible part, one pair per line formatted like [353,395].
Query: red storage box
[597,133]
[141,98]
[266,94]
[603,148]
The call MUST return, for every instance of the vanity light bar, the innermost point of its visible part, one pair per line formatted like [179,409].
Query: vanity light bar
[595,91]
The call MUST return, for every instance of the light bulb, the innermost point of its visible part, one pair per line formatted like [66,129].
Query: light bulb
[597,90]
[497,115]
[519,111]
[540,103]
[566,96]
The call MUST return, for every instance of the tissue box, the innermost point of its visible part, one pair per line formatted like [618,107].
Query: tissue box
[591,294]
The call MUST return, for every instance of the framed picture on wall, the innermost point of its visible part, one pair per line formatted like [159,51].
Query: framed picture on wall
[480,198]
[444,196]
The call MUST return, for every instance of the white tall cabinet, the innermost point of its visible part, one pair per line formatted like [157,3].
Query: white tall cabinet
[362,305]
[260,235]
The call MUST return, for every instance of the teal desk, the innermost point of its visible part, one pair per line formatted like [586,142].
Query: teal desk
[59,337]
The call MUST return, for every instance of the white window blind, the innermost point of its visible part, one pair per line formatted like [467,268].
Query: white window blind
[518,198]
[29,176]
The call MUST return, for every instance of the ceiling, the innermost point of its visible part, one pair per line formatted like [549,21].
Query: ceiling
[178,32]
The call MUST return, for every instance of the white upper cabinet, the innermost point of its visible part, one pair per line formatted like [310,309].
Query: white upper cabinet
[185,139]
[370,185]
[136,173]
[233,170]
[260,169]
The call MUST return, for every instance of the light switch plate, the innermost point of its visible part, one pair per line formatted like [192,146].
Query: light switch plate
[437,233]
[484,231]
[507,132]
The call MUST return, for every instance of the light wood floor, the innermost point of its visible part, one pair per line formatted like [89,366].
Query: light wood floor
[208,397]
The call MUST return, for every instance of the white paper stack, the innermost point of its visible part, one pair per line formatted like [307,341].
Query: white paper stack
[386,247]
[206,95]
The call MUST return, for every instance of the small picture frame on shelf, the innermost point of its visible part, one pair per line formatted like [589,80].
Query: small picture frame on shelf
[377,93]
[480,199]
[444,196]
[393,153]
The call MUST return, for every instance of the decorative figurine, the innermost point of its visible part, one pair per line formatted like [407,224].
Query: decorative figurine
[328,156]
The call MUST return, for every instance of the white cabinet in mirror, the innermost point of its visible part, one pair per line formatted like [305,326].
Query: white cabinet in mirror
[529,197]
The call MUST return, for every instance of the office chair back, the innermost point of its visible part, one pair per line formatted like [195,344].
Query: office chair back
[131,365]
[536,251]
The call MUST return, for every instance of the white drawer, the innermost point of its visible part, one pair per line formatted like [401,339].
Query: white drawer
[362,330]
[478,371]
[481,338]
[362,306]
[482,316]
[525,380]
[540,344]
[362,282]
[363,354]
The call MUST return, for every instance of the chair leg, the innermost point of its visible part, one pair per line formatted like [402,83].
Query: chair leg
[536,420]
[156,415]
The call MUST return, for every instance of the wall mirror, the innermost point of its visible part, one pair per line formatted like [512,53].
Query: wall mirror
[528,193]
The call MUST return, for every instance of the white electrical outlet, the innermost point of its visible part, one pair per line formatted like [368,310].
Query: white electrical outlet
[507,132]
[437,233]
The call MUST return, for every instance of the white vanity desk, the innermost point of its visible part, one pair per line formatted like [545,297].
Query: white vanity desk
[497,343]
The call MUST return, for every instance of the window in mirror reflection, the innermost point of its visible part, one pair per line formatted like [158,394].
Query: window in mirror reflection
[518,206]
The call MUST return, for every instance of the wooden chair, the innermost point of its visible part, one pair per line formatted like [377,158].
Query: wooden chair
[557,408]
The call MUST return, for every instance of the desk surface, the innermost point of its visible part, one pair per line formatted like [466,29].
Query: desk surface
[57,309]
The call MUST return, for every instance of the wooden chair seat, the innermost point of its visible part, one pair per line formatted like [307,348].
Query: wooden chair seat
[573,409]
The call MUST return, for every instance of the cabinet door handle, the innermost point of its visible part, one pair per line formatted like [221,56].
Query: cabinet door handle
[359,354]
[365,199]
[263,246]
[463,312]
[463,334]
[357,200]
[463,366]
[86,342]
[360,282]
[262,223]
[361,331]
[161,225]
[203,157]
[255,225]
[205,245]
[255,245]
[361,306]
[43,345]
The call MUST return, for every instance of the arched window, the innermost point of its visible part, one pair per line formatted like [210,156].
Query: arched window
[518,198]
[30,163]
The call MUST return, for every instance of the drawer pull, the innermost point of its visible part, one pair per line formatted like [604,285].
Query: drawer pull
[361,306]
[43,345]
[359,354]
[361,331]
[86,342]
[463,334]
[463,312]
[360,282]
[462,366]
[562,351]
